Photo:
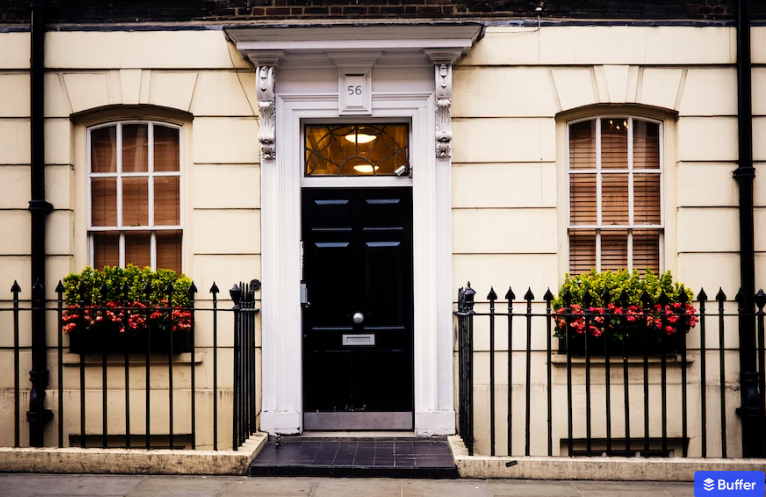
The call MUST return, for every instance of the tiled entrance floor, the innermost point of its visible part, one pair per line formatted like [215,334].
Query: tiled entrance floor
[390,457]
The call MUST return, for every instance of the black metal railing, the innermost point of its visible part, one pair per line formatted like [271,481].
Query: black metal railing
[621,356]
[142,333]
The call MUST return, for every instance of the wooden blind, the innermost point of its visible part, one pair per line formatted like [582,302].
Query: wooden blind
[135,148]
[103,199]
[582,251]
[646,145]
[646,250]
[614,249]
[611,246]
[167,201]
[169,250]
[106,249]
[614,199]
[135,195]
[582,145]
[646,199]
[167,155]
[138,248]
[103,150]
[614,143]
[582,199]
[135,201]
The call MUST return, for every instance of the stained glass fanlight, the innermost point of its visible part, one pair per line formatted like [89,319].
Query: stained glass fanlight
[355,149]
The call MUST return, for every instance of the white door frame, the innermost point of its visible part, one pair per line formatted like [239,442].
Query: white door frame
[391,44]
[281,226]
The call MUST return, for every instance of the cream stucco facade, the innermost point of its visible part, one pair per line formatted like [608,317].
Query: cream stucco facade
[512,96]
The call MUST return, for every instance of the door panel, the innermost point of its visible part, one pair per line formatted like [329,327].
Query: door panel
[357,256]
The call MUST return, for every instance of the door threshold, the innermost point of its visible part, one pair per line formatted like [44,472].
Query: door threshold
[356,435]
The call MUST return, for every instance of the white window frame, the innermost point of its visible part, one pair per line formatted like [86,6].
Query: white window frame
[150,174]
[598,227]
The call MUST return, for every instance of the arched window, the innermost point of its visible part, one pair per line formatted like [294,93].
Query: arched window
[615,194]
[134,195]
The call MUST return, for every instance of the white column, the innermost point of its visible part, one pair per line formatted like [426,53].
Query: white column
[437,414]
[280,378]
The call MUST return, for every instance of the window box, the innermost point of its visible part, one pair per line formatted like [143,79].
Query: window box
[623,312]
[633,343]
[109,340]
[117,311]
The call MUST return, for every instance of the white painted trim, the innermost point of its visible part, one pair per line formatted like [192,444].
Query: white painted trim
[346,45]
[281,224]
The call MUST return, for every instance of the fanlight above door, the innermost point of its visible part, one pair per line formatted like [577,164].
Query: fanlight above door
[355,149]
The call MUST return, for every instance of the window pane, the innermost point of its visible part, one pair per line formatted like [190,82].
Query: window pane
[138,248]
[352,150]
[106,249]
[169,250]
[103,198]
[103,150]
[646,145]
[166,149]
[646,250]
[614,199]
[614,249]
[582,251]
[582,145]
[135,201]
[646,199]
[167,199]
[135,148]
[614,143]
[582,199]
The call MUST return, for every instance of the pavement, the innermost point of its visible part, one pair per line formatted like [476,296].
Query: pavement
[32,485]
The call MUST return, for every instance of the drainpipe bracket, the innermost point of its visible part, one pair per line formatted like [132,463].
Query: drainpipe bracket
[744,172]
[40,206]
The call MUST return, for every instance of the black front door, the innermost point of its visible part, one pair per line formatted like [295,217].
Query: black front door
[357,327]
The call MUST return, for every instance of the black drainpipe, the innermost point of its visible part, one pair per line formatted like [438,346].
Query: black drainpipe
[38,415]
[751,410]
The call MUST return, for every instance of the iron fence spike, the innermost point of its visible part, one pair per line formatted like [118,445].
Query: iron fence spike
[683,297]
[548,295]
[702,296]
[510,296]
[15,288]
[720,296]
[606,296]
[760,299]
[740,297]
[60,287]
[529,295]
[492,295]
[664,299]
[214,289]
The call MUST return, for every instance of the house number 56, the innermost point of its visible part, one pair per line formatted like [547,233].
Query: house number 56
[355,90]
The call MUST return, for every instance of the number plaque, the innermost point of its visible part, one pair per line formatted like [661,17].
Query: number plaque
[355,93]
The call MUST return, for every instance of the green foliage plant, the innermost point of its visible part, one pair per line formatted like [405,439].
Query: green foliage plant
[613,316]
[96,300]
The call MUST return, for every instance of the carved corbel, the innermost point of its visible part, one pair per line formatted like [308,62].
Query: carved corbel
[265,81]
[443,111]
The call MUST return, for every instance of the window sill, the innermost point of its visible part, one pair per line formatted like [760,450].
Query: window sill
[616,361]
[133,359]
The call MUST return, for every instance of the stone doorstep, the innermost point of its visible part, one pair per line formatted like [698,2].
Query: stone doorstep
[591,468]
[132,461]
